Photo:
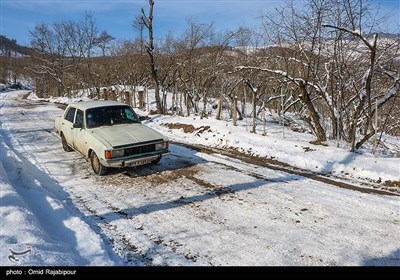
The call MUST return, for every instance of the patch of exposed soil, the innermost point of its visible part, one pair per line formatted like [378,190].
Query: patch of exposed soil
[392,184]
[168,176]
[187,128]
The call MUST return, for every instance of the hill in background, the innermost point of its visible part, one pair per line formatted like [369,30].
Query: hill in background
[10,48]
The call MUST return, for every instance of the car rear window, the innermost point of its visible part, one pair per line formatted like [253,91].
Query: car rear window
[70,114]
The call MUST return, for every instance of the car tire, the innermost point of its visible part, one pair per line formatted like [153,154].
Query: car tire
[157,160]
[65,144]
[97,167]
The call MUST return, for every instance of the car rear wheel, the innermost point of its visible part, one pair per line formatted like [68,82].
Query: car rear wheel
[97,167]
[65,144]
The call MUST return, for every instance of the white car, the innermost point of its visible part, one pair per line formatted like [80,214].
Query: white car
[109,134]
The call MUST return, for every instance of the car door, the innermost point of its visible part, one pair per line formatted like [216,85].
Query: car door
[66,125]
[79,138]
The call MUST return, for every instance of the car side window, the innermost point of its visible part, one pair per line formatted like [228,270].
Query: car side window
[79,117]
[70,114]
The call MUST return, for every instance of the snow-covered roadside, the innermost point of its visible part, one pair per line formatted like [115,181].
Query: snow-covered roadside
[34,221]
[294,149]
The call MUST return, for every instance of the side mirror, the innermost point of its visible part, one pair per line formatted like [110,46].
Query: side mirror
[77,125]
[143,118]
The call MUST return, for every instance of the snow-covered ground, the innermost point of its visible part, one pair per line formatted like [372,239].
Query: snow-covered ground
[192,208]
[293,148]
[280,144]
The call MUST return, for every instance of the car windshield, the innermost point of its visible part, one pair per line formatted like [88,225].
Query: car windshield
[111,115]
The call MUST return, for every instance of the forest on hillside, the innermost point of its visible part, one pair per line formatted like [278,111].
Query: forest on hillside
[11,68]
[10,48]
[330,64]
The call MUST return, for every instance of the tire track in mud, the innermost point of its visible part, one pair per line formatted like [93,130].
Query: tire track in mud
[131,252]
[195,208]
[130,246]
[160,178]
[121,245]
[198,210]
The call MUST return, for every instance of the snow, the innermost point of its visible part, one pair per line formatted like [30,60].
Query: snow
[294,149]
[193,208]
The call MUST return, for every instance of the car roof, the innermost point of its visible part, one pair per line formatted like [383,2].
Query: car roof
[84,105]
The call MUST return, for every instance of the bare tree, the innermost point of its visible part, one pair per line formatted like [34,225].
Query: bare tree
[373,59]
[50,55]
[299,35]
[65,53]
[148,23]
[193,53]
[138,25]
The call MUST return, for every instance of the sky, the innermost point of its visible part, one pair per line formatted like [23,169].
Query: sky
[18,17]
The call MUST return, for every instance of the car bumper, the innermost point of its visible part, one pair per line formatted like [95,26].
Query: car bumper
[133,161]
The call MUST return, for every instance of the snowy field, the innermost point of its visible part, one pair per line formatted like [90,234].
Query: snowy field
[192,208]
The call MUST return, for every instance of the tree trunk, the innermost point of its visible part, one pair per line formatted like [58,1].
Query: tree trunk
[187,104]
[254,105]
[141,99]
[234,111]
[204,111]
[364,96]
[127,100]
[134,96]
[105,94]
[316,121]
[164,102]
[219,108]
[180,104]
[173,107]
[148,22]
[365,139]
[243,104]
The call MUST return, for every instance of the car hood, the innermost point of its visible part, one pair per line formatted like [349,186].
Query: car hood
[125,134]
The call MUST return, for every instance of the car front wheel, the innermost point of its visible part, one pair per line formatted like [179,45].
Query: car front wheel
[97,167]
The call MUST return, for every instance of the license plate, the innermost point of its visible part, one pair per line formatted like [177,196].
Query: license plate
[140,162]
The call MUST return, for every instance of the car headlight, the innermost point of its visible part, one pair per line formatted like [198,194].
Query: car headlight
[117,153]
[162,146]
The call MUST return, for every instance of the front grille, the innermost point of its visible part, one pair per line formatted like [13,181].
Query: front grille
[140,150]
